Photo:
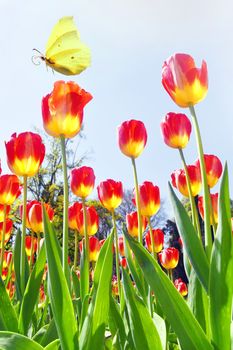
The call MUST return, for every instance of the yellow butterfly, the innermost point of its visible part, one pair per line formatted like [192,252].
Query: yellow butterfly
[65,53]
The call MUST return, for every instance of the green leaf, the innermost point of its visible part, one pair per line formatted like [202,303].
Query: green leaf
[60,298]
[55,345]
[196,299]
[188,330]
[50,334]
[14,341]
[144,333]
[31,293]
[17,264]
[221,272]
[92,334]
[161,328]
[8,317]
[116,325]
[136,272]
[193,245]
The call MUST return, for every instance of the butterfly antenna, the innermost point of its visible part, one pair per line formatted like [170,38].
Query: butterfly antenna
[38,52]
[36,60]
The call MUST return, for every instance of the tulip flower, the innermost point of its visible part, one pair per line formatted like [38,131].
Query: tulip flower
[92,221]
[179,180]
[184,82]
[169,258]
[132,223]
[30,245]
[73,212]
[7,233]
[102,241]
[115,286]
[214,203]
[82,181]
[213,168]
[8,208]
[25,153]
[123,263]
[181,287]
[94,248]
[9,189]
[158,237]
[149,198]
[121,245]
[176,129]
[35,216]
[7,264]
[132,138]
[62,109]
[110,194]
[28,207]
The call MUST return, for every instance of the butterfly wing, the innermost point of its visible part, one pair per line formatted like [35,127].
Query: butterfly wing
[65,52]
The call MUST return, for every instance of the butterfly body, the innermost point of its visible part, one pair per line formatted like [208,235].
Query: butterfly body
[65,53]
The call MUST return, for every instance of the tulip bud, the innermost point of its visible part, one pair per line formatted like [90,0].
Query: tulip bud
[110,194]
[132,138]
[158,237]
[179,180]
[169,258]
[82,181]
[176,129]
[213,168]
[25,153]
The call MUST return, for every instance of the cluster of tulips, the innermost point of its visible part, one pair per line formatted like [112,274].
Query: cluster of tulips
[83,305]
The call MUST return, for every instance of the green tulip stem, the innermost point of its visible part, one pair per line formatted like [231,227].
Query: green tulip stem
[65,212]
[152,239]
[206,196]
[75,249]
[195,218]
[117,254]
[22,248]
[3,238]
[87,253]
[137,200]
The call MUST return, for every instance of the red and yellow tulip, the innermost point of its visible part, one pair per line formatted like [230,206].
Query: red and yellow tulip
[185,83]
[213,167]
[110,194]
[132,223]
[214,212]
[35,216]
[181,286]
[25,153]
[82,181]
[94,248]
[158,237]
[9,227]
[73,212]
[179,181]
[9,189]
[169,258]
[149,198]
[132,138]
[62,109]
[92,221]
[176,129]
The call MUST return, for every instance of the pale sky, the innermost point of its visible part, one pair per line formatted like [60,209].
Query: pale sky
[129,40]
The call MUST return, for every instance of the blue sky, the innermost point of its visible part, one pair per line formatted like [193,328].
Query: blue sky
[129,41]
